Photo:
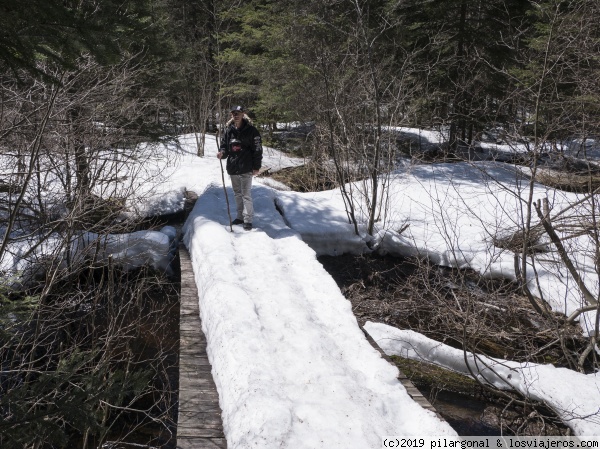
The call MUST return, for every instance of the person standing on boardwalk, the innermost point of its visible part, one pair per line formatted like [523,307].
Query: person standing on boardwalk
[241,145]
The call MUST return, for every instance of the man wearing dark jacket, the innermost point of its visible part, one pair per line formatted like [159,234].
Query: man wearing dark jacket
[241,145]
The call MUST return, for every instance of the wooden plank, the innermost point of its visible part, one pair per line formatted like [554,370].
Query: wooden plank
[189,333]
[205,443]
[199,398]
[193,352]
[201,434]
[196,372]
[192,330]
[195,383]
[195,363]
[199,423]
[190,340]
[209,420]
[209,407]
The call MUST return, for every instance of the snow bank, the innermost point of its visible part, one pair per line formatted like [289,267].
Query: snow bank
[577,406]
[25,261]
[452,214]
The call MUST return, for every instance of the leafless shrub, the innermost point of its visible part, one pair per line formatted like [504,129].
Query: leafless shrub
[83,355]
[90,360]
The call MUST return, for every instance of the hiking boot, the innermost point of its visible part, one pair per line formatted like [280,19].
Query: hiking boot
[237,221]
[247,226]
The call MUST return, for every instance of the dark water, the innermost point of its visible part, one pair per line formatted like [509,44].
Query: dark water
[464,414]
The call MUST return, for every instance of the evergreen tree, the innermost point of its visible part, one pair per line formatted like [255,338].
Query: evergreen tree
[59,32]
[259,56]
[557,79]
[463,49]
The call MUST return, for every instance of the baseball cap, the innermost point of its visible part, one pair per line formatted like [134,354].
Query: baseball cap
[237,109]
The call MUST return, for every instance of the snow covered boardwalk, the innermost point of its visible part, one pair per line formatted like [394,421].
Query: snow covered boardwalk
[291,365]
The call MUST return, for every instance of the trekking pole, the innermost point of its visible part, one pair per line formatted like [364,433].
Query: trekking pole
[226,197]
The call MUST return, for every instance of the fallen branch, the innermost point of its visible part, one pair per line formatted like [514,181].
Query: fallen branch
[545,220]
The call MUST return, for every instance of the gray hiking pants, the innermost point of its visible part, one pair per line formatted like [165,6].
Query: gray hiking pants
[242,186]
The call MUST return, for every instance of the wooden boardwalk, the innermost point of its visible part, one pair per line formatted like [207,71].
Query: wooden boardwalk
[199,423]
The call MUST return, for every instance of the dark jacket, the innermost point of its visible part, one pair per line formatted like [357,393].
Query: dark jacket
[242,147]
